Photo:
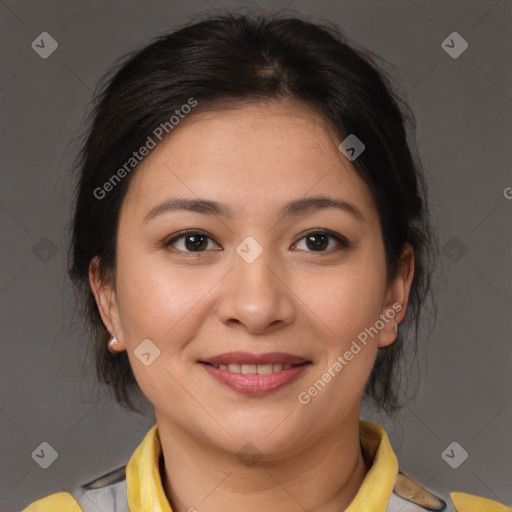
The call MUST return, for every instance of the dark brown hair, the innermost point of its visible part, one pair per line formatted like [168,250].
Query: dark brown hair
[232,57]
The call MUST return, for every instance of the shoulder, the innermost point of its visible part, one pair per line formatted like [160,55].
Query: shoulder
[58,502]
[106,493]
[408,496]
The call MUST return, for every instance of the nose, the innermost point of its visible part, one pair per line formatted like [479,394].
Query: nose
[256,295]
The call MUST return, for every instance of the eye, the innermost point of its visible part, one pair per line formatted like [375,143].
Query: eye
[318,241]
[315,241]
[190,241]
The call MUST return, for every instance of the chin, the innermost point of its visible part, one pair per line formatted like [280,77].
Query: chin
[273,432]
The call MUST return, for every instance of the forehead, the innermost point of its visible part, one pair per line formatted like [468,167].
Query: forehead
[252,155]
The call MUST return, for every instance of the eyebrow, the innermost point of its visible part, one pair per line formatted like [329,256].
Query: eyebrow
[295,207]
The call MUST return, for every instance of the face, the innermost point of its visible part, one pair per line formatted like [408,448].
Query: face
[252,300]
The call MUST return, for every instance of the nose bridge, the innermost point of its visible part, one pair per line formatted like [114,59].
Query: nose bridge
[255,294]
[253,262]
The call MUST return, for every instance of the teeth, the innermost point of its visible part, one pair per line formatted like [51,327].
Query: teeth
[251,369]
[248,368]
[265,369]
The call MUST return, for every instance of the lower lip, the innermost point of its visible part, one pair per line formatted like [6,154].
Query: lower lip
[255,384]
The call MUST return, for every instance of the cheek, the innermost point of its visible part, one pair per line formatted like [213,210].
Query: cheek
[348,303]
[348,300]
[161,303]
[159,300]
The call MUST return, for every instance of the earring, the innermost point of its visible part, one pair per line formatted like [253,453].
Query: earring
[396,327]
[111,344]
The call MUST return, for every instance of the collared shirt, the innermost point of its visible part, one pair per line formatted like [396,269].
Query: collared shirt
[384,489]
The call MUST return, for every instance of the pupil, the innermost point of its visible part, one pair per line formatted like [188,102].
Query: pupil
[320,244]
[197,244]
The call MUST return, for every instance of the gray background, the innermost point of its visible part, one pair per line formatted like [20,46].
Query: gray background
[463,109]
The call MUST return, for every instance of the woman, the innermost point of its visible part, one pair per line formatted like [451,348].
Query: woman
[251,236]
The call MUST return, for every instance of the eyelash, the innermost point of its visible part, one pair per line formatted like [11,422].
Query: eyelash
[342,241]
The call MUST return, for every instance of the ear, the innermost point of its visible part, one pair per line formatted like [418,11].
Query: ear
[106,300]
[397,295]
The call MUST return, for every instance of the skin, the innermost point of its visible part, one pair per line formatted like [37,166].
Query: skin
[293,298]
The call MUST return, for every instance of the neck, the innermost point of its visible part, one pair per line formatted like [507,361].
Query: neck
[325,476]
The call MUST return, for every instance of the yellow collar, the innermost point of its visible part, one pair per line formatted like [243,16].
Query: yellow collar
[145,489]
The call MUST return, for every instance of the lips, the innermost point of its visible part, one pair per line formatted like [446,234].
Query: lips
[255,374]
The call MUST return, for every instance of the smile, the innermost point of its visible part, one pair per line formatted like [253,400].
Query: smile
[254,374]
